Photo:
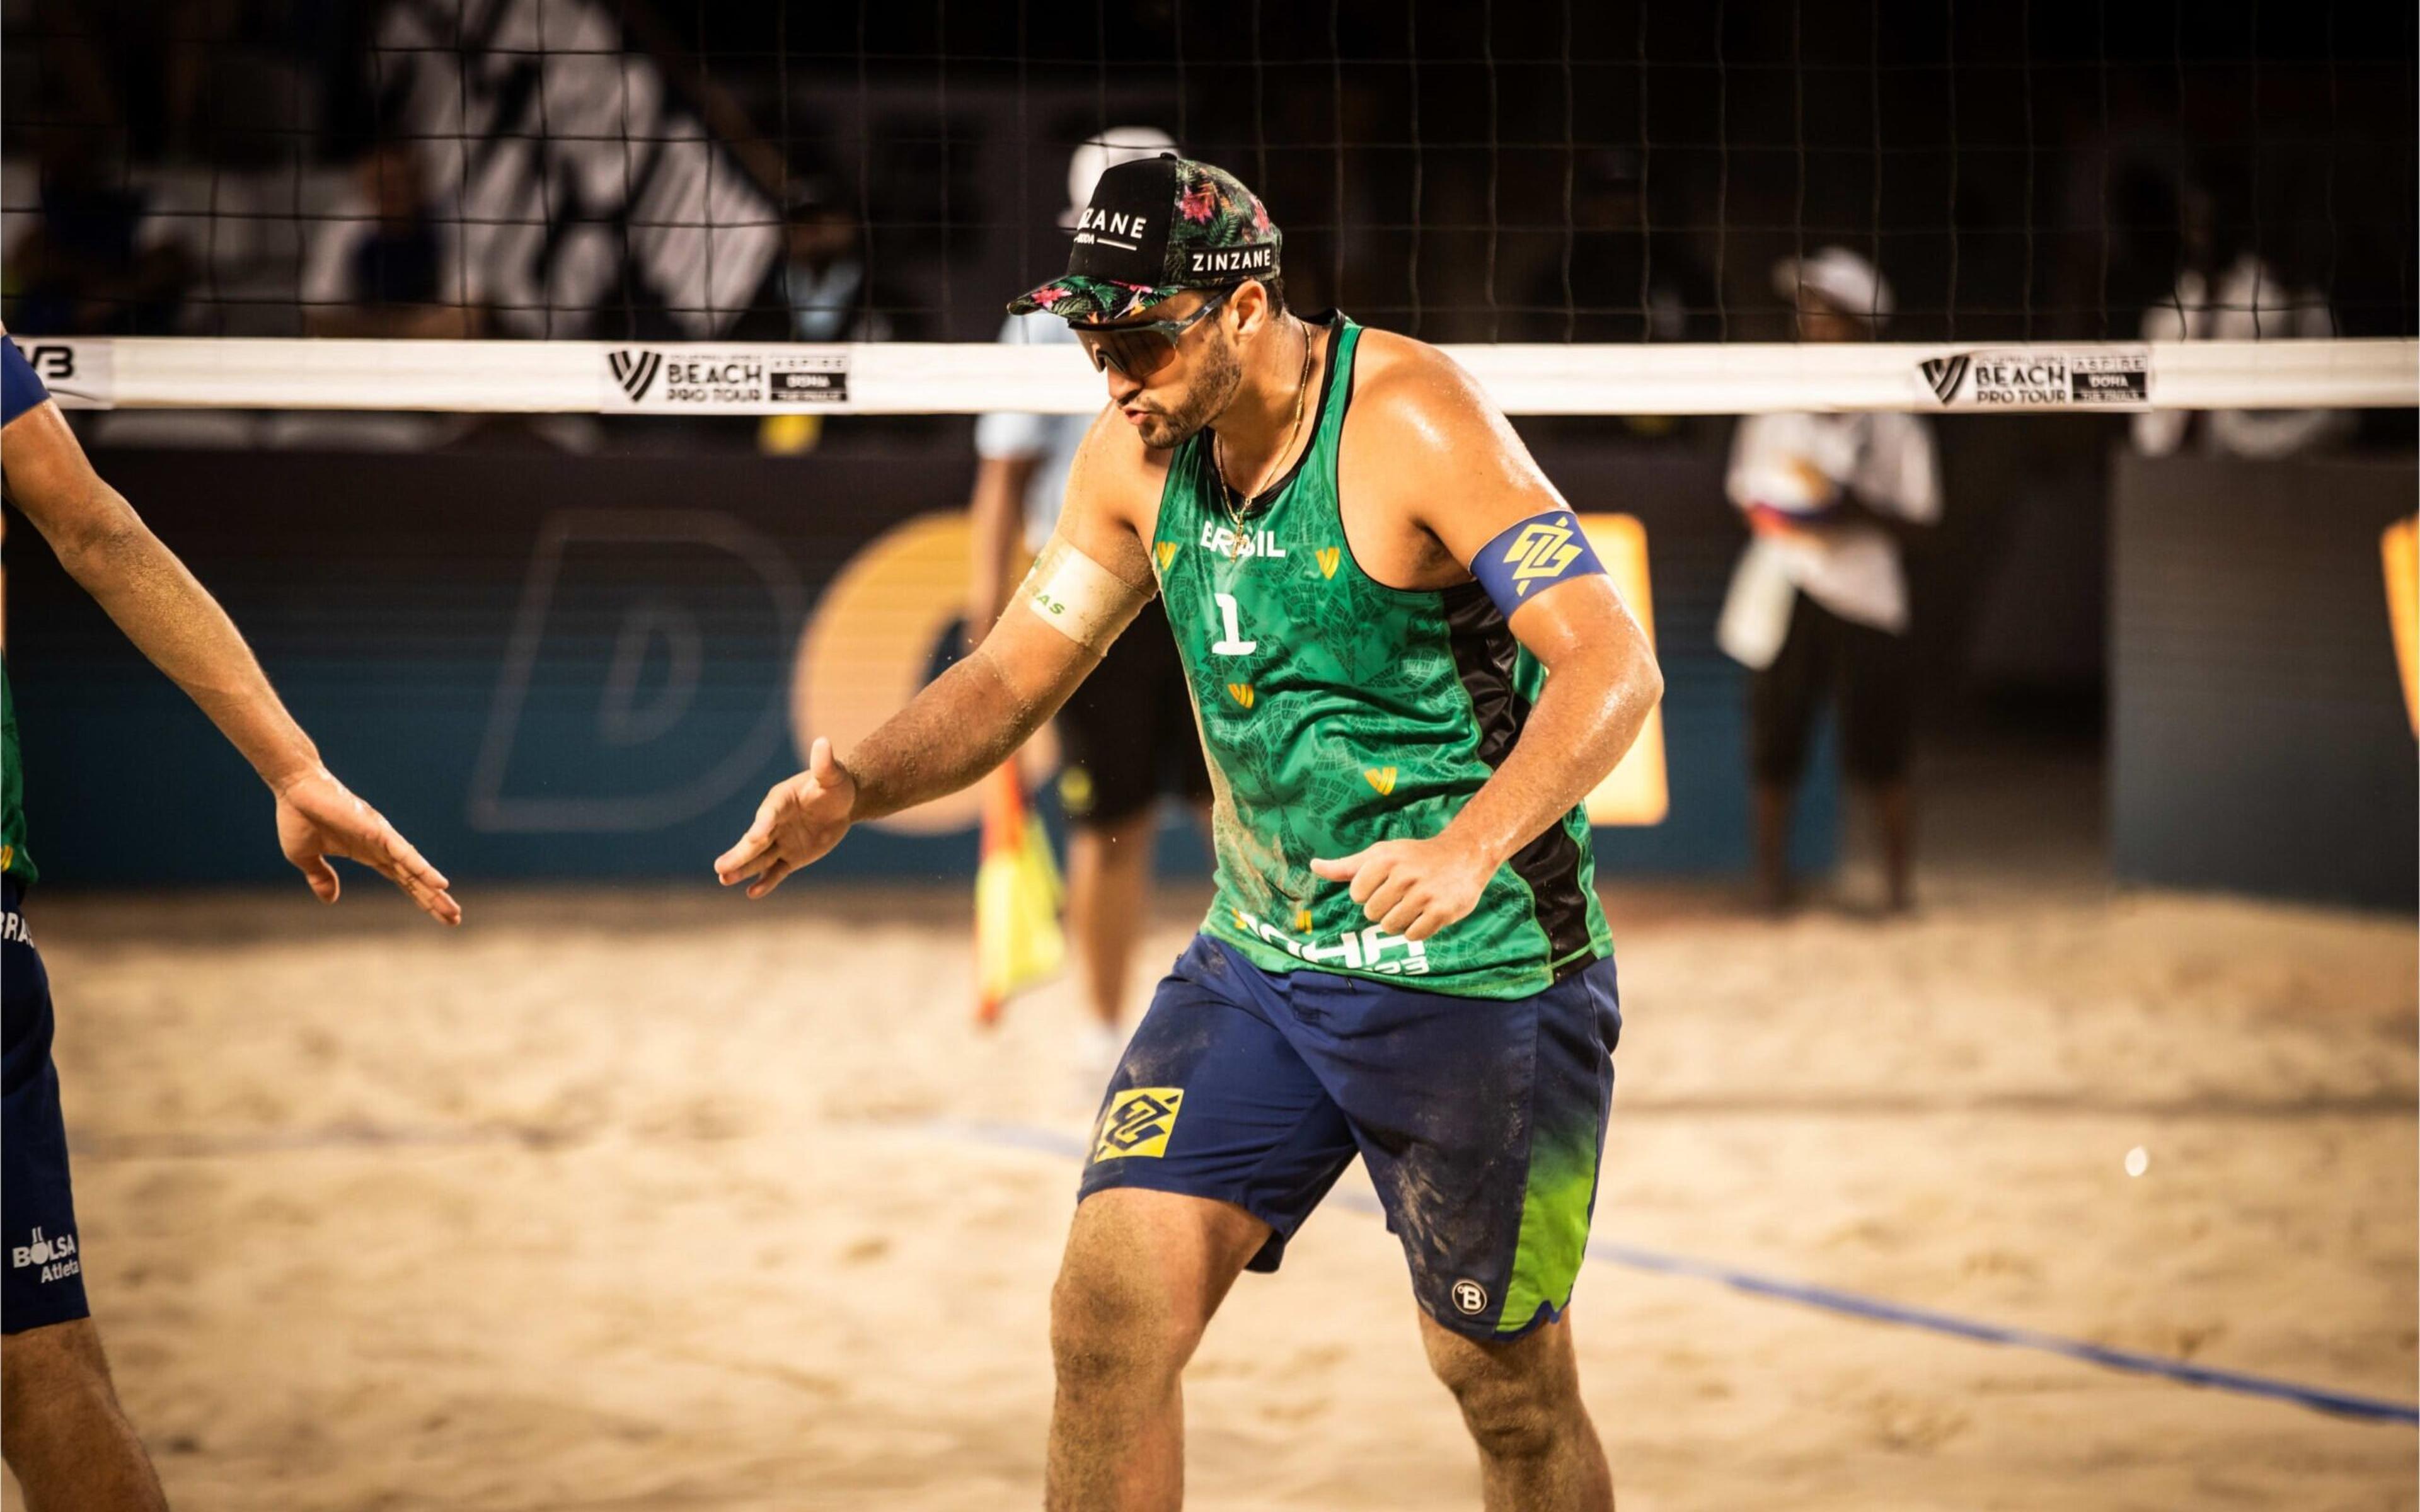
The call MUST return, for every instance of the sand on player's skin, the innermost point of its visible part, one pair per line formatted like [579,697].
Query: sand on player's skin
[669,1201]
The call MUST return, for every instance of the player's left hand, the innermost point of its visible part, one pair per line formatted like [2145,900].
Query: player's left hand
[1412,888]
[318,817]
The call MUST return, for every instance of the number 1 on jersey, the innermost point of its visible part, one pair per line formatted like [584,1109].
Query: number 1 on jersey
[1233,644]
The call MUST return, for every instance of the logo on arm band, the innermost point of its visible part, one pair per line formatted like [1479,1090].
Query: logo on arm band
[1082,599]
[1531,556]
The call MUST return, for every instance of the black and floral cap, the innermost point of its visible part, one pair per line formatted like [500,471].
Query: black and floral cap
[1155,228]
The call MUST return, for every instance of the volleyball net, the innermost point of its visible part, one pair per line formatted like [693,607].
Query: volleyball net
[675,207]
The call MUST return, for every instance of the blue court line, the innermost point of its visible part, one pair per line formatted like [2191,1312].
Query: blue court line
[1851,1304]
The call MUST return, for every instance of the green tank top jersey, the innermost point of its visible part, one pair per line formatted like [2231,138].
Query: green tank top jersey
[13,859]
[1337,712]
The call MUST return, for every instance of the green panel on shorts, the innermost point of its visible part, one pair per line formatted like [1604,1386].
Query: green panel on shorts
[1553,1225]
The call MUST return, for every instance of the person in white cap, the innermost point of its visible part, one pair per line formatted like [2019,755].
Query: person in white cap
[1818,606]
[1127,737]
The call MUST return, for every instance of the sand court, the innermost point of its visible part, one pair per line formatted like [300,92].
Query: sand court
[623,1199]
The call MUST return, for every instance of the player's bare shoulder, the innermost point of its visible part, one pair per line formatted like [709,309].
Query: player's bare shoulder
[1418,417]
[1406,370]
[1416,408]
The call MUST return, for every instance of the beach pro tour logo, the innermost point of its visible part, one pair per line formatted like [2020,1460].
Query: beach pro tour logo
[52,362]
[739,380]
[635,371]
[1945,374]
[1539,553]
[2040,378]
[80,374]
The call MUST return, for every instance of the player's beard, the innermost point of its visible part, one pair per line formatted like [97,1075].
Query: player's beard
[1203,401]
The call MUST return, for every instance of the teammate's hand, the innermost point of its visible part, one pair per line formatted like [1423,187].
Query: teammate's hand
[798,822]
[317,817]
[1412,888]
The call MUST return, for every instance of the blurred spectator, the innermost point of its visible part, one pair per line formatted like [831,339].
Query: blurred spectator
[1613,247]
[1818,607]
[1022,477]
[1128,735]
[96,263]
[2248,301]
[824,273]
[823,291]
[383,265]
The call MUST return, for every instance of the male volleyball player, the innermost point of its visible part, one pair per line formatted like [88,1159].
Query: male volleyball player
[60,1424]
[1368,579]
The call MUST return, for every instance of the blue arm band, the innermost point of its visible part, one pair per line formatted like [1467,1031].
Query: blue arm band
[20,390]
[1530,557]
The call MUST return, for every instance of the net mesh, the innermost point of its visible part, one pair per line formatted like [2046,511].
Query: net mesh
[1597,175]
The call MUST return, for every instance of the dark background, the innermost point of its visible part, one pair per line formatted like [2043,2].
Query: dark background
[1465,172]
[1499,170]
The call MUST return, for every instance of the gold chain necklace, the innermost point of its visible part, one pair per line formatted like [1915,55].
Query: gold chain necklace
[1234,507]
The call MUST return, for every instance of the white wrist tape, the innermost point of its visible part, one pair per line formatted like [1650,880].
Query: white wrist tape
[1082,599]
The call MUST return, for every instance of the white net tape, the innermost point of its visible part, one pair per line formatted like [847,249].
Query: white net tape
[606,377]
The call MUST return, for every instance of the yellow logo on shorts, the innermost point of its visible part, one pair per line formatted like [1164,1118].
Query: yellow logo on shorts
[1166,551]
[1329,557]
[1381,778]
[1241,693]
[1138,1123]
[1539,551]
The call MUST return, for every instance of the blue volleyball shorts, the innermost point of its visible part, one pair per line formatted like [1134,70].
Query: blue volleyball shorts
[1481,1122]
[43,1281]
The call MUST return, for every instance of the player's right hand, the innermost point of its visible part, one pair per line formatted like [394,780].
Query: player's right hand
[318,817]
[798,822]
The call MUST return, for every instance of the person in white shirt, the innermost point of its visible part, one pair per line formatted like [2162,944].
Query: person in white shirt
[2246,302]
[1818,607]
[1127,737]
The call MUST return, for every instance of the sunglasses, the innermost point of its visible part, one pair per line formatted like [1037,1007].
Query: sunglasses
[1140,350]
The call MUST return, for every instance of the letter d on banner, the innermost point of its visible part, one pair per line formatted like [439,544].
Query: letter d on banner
[642,683]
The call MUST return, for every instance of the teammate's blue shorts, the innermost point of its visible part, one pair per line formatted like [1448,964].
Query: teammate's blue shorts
[45,1272]
[1482,1122]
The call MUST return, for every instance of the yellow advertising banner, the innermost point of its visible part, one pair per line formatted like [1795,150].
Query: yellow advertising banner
[1635,793]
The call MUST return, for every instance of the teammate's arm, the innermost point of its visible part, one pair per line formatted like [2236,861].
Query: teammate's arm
[1427,422]
[173,620]
[1086,587]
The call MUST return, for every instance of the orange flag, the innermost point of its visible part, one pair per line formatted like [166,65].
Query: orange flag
[1017,939]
